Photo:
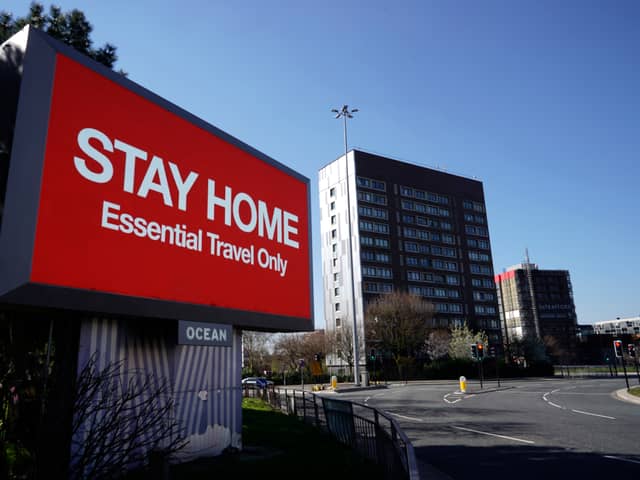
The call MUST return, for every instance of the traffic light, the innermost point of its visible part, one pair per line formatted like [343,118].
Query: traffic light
[474,351]
[492,351]
[480,351]
[372,355]
[631,349]
[617,348]
[316,357]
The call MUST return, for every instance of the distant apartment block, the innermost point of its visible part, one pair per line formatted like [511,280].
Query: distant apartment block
[619,326]
[414,229]
[538,304]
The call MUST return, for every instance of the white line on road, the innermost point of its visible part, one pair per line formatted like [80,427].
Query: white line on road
[413,419]
[367,399]
[494,435]
[451,401]
[457,399]
[593,414]
[544,397]
[621,459]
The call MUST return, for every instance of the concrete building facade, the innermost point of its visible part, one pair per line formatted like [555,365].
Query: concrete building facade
[414,229]
[537,303]
[619,326]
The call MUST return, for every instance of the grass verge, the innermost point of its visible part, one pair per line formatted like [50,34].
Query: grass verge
[281,446]
[635,391]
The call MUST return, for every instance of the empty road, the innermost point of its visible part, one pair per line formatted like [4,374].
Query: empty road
[526,429]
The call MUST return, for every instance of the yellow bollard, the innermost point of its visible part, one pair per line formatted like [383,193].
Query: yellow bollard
[334,382]
[463,384]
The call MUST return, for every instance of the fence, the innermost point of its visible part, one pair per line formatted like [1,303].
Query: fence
[594,370]
[367,430]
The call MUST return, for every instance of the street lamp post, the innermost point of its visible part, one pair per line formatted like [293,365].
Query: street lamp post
[345,113]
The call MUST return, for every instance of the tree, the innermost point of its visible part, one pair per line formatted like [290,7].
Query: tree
[71,28]
[290,348]
[340,343]
[120,419]
[528,349]
[255,351]
[438,344]
[461,340]
[398,324]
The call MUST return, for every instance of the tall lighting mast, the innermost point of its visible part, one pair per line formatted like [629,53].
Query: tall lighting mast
[345,114]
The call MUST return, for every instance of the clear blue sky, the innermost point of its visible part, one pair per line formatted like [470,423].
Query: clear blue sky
[538,99]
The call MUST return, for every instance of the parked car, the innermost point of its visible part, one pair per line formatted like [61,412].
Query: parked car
[259,382]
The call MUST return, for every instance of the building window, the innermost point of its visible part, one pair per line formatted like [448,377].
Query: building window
[477,243]
[333,205]
[372,198]
[374,227]
[334,233]
[376,256]
[337,307]
[371,183]
[453,280]
[478,256]
[484,310]
[336,291]
[332,192]
[335,262]
[333,219]
[335,277]
[374,212]
[377,287]
[473,230]
[448,308]
[483,296]
[481,269]
[338,323]
[423,195]
[380,272]
[475,206]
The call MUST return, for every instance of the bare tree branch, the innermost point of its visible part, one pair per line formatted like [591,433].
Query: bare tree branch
[120,417]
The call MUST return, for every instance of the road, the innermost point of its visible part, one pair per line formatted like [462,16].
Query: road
[542,428]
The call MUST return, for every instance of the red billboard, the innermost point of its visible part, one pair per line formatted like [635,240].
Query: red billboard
[139,199]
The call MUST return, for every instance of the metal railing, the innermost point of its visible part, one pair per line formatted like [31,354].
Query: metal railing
[372,433]
[593,370]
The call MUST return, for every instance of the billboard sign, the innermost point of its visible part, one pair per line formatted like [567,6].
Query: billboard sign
[119,201]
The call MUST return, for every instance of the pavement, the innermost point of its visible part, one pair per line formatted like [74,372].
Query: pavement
[625,396]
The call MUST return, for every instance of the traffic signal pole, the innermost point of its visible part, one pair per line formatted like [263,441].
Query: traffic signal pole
[617,350]
[480,349]
[624,367]
[631,348]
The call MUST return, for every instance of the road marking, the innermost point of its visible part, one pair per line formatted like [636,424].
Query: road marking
[544,397]
[457,399]
[374,396]
[621,459]
[413,419]
[494,435]
[593,414]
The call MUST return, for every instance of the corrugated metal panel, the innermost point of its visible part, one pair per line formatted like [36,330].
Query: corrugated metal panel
[205,381]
